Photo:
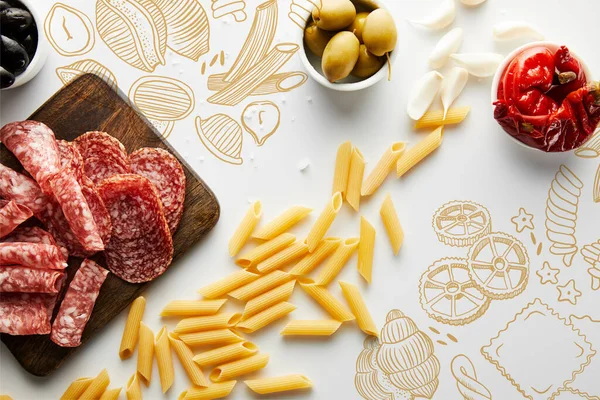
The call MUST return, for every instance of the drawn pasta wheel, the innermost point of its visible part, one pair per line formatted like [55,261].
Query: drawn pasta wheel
[461,223]
[448,294]
[499,265]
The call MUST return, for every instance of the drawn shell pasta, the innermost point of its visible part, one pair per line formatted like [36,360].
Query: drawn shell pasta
[222,136]
[69,31]
[69,72]
[461,223]
[162,98]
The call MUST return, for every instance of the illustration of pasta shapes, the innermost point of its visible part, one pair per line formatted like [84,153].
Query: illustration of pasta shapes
[162,98]
[461,223]
[235,8]
[591,148]
[591,255]
[89,66]
[188,31]
[406,356]
[596,189]
[300,10]
[266,122]
[69,31]
[561,213]
[468,385]
[222,136]
[135,30]
[586,383]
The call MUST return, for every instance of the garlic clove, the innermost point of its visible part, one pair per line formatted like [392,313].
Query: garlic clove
[453,85]
[441,17]
[447,45]
[512,30]
[472,2]
[423,93]
[481,65]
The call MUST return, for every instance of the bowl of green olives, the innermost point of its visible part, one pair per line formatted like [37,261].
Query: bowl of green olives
[22,46]
[349,44]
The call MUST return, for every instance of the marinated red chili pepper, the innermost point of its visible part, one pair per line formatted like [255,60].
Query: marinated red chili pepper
[545,101]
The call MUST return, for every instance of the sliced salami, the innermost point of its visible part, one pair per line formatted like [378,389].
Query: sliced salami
[26,313]
[77,305]
[100,144]
[166,174]
[22,189]
[141,247]
[70,158]
[34,255]
[100,168]
[17,279]
[11,216]
[98,209]
[57,224]
[33,234]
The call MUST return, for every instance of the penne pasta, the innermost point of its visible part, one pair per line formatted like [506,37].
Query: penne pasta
[237,368]
[186,357]
[321,226]
[208,323]
[218,336]
[329,303]
[312,260]
[419,151]
[265,250]
[382,168]
[227,284]
[337,261]
[359,308]
[279,384]
[111,394]
[268,299]
[214,391]
[261,285]
[266,317]
[162,348]
[133,390]
[324,327]
[96,387]
[342,168]
[355,178]
[285,256]
[145,354]
[433,119]
[244,230]
[76,388]
[366,249]
[226,353]
[132,328]
[188,308]
[392,224]
[282,222]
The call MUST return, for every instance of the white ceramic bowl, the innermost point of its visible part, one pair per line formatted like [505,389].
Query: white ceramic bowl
[41,53]
[312,64]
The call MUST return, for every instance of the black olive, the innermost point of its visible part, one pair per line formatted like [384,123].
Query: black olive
[4,5]
[13,56]
[6,78]
[15,20]
[29,42]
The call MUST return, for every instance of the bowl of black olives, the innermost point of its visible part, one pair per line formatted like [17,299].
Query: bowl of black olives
[23,51]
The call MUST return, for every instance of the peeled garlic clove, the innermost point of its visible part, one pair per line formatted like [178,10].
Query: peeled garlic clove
[513,30]
[480,65]
[453,85]
[423,93]
[472,2]
[441,18]
[447,45]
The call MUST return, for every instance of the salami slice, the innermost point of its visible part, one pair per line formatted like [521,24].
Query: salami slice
[11,216]
[166,174]
[58,226]
[26,313]
[70,158]
[100,168]
[19,279]
[100,144]
[141,247]
[22,189]
[98,209]
[34,255]
[77,305]
[33,234]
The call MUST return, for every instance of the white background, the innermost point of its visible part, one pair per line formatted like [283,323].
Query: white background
[477,162]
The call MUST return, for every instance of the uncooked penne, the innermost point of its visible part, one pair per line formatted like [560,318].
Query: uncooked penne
[312,260]
[268,299]
[225,354]
[418,152]
[355,178]
[265,250]
[359,308]
[266,317]
[227,284]
[97,386]
[214,391]
[244,230]
[282,223]
[218,336]
[186,357]
[189,308]
[260,285]
[338,260]
[132,328]
[366,249]
[322,224]
[390,219]
[133,390]
[382,169]
[111,394]
[162,349]
[279,384]
[329,303]
[208,323]
[342,168]
[237,368]
[282,258]
[325,327]
[76,388]
[145,354]
[433,119]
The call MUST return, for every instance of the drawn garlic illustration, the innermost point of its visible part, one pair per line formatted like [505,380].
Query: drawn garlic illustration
[266,122]
[406,356]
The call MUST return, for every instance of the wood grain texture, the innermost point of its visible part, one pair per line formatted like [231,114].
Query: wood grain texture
[89,104]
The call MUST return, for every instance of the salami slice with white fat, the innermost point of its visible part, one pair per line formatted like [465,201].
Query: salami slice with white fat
[70,158]
[34,255]
[100,144]
[22,189]
[166,174]
[17,279]
[78,304]
[26,313]
[100,168]
[33,234]
[141,247]
[11,216]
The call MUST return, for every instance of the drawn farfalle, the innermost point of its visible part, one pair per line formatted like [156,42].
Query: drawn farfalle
[591,255]
[461,223]
[301,10]
[69,31]
[89,66]
[591,148]
[235,8]
[470,388]
[222,136]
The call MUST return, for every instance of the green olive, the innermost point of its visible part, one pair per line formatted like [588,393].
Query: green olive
[340,56]
[316,39]
[358,25]
[367,64]
[334,15]
[379,33]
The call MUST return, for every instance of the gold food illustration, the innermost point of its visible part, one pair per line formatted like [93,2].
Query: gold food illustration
[461,223]
[470,388]
[69,31]
[586,383]
[188,30]
[135,30]
[276,83]
[568,394]
[548,340]
[235,8]
[163,127]
[523,221]
[448,294]
[499,266]
[562,208]
[88,66]
[596,189]
[548,274]
[261,120]
[568,292]
[591,148]
[222,136]
[591,255]
[301,10]
[162,98]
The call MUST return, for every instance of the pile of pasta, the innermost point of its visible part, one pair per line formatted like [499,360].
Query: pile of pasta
[89,388]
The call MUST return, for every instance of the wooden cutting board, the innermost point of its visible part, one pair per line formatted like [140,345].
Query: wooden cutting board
[89,104]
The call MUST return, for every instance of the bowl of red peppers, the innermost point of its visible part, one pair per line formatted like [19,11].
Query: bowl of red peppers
[544,98]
